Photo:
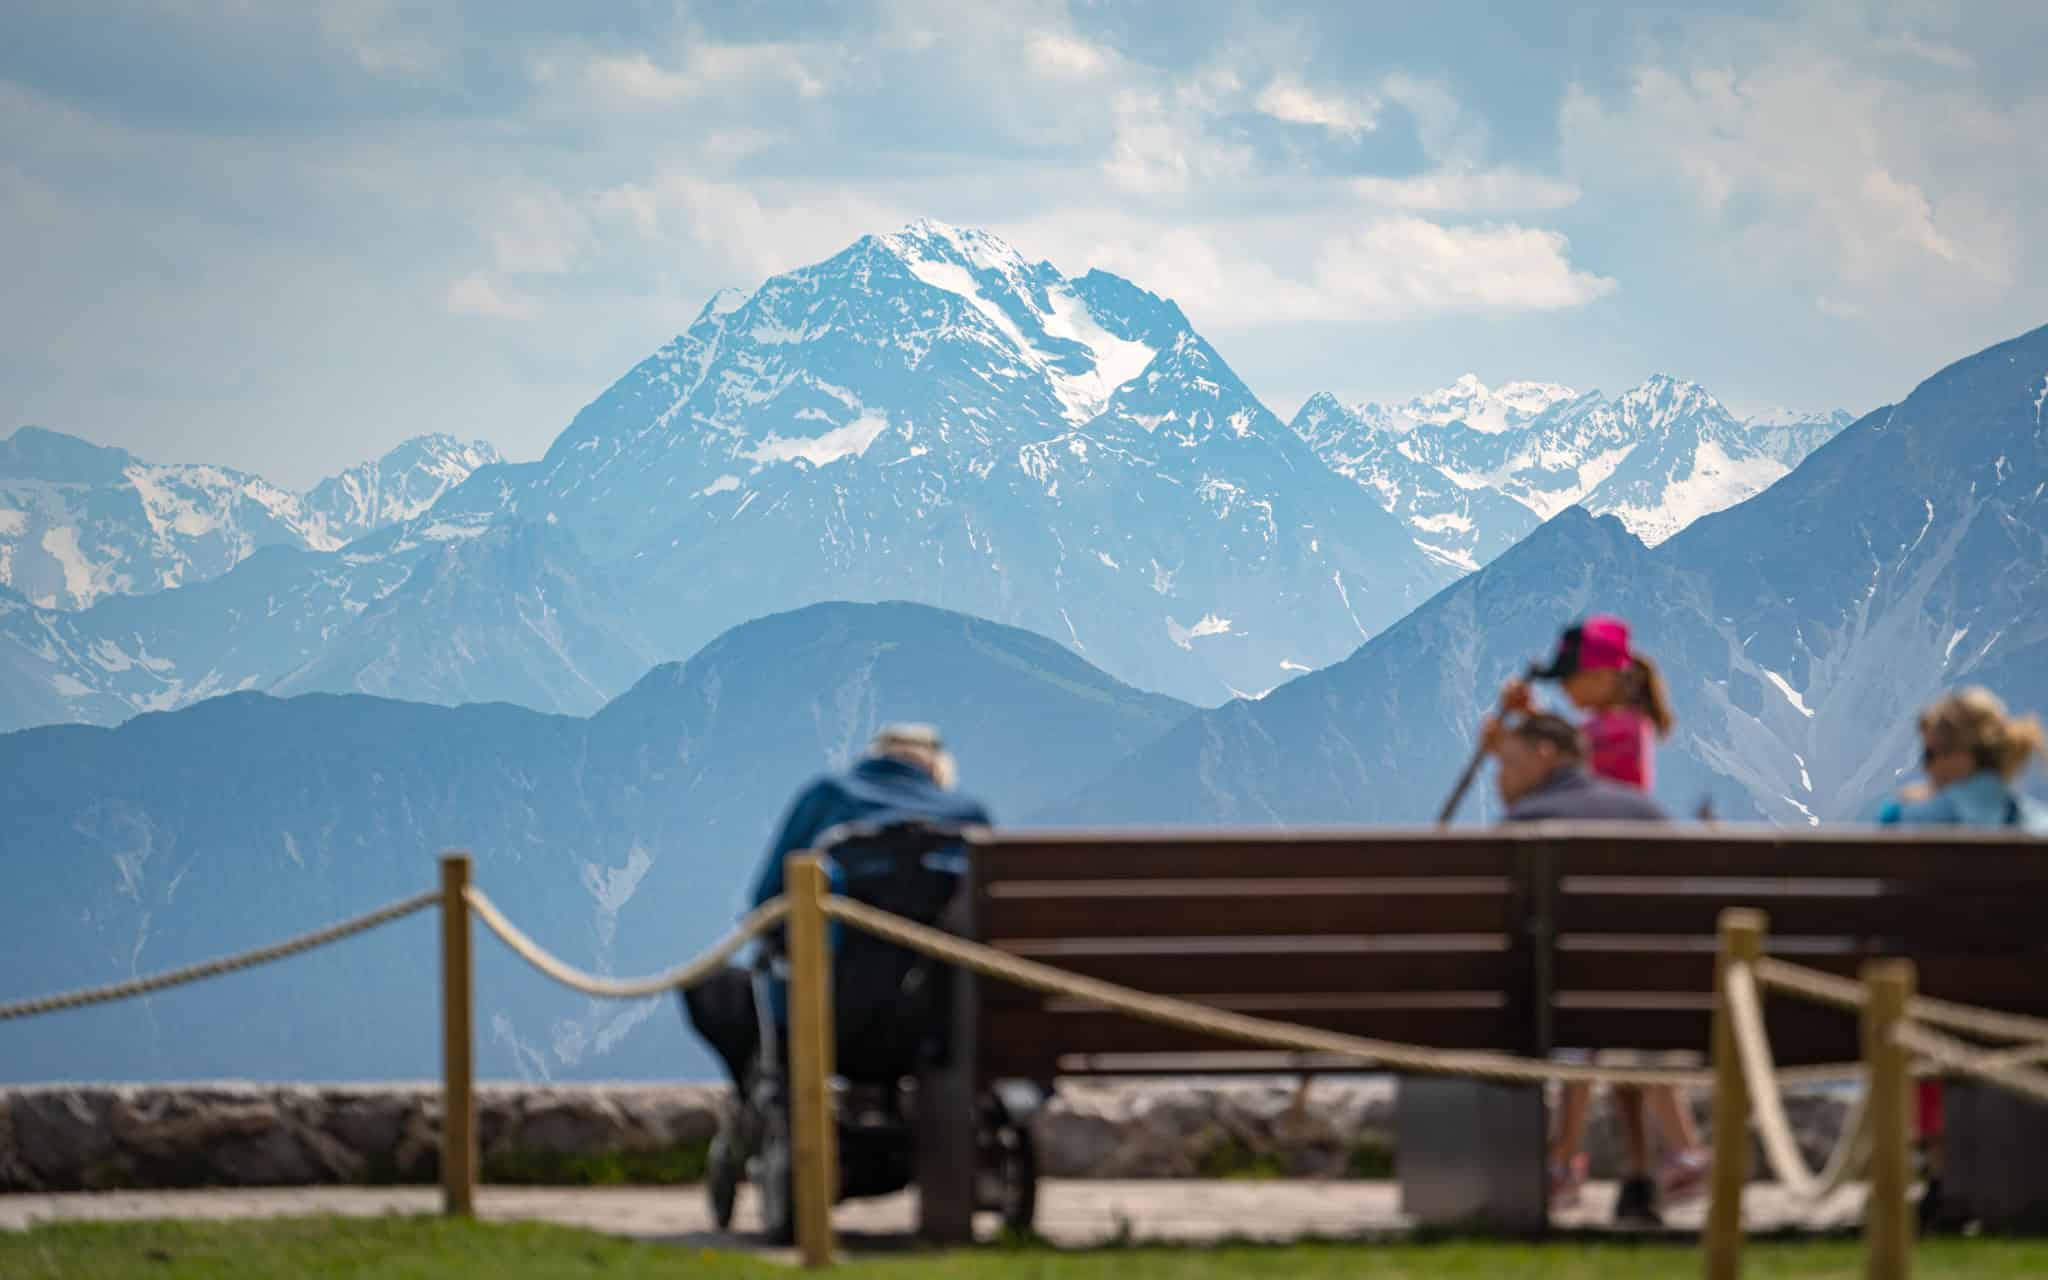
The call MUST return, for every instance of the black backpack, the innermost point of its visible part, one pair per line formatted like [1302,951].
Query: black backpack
[891,1005]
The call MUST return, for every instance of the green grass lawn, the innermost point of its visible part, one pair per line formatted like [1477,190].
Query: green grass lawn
[430,1248]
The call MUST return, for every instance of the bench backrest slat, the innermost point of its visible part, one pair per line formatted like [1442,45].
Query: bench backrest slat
[1516,939]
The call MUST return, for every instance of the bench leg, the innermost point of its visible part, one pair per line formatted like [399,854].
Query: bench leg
[1471,1154]
[1997,1157]
[946,1157]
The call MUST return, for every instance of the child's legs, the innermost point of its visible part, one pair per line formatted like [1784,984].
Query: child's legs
[1634,1131]
[1674,1119]
[1574,1102]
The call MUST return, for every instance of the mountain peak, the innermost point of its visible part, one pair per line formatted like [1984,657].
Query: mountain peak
[722,302]
[929,240]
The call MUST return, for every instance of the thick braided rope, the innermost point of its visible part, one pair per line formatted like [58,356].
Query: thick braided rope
[2027,1055]
[1987,1024]
[1814,985]
[225,964]
[1767,1102]
[1847,993]
[1224,1024]
[758,921]
[1961,1058]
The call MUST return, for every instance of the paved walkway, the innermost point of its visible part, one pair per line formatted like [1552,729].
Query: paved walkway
[1071,1214]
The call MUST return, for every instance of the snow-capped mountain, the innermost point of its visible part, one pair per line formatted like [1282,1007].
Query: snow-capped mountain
[79,522]
[930,416]
[1799,630]
[1470,401]
[1658,456]
[1789,435]
[925,416]
[402,485]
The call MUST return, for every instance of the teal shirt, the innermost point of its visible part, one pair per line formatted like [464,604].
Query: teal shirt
[1981,800]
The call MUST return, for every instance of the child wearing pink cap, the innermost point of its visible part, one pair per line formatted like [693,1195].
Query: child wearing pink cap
[1627,711]
[1621,692]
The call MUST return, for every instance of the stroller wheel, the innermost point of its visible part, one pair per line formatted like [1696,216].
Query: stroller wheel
[1016,1171]
[773,1172]
[722,1173]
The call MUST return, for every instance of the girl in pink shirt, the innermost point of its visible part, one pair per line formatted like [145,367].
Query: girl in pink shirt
[1621,692]
[1627,710]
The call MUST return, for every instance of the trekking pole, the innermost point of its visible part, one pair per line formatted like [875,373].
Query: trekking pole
[1464,783]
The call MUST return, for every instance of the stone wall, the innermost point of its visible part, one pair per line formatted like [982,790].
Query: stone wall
[68,1137]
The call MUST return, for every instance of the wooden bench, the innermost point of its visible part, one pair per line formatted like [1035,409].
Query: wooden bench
[1523,939]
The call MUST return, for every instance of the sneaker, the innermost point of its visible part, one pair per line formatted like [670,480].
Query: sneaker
[1932,1220]
[1566,1180]
[1683,1175]
[1636,1206]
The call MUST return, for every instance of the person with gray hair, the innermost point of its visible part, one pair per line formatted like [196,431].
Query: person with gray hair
[906,776]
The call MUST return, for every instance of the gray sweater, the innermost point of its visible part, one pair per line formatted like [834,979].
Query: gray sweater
[1574,793]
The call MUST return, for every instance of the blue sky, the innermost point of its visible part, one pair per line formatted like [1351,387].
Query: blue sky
[286,236]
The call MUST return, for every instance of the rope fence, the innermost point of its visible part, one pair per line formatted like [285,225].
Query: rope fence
[756,922]
[1767,1103]
[221,965]
[1748,1086]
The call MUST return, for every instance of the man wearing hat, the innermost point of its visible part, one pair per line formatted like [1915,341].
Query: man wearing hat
[907,775]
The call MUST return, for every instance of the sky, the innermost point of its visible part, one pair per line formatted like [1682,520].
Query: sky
[285,237]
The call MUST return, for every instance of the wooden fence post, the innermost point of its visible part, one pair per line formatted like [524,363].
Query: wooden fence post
[814,1137]
[1887,1217]
[1742,941]
[458,1098]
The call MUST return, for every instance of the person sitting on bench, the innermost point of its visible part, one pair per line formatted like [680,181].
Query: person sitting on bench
[907,775]
[1543,774]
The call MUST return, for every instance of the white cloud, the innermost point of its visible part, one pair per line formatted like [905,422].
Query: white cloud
[475,295]
[536,232]
[1932,51]
[364,29]
[1455,191]
[1066,56]
[1162,142]
[1802,160]
[1406,264]
[1228,277]
[733,224]
[1288,99]
[634,78]
[699,71]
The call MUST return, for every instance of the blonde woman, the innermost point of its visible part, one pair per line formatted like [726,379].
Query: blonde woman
[1973,753]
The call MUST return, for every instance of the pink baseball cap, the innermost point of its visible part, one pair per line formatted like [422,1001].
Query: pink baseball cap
[1595,643]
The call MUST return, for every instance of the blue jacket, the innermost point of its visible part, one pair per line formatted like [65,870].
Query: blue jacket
[877,789]
[1981,800]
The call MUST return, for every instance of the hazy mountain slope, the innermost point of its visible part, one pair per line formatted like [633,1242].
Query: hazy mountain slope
[1800,630]
[621,841]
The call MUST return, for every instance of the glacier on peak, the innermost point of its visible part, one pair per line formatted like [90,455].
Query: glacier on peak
[93,522]
[1657,456]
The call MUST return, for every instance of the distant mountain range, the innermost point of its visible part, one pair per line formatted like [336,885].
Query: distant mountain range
[1800,630]
[80,522]
[926,415]
[620,841]
[1471,471]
